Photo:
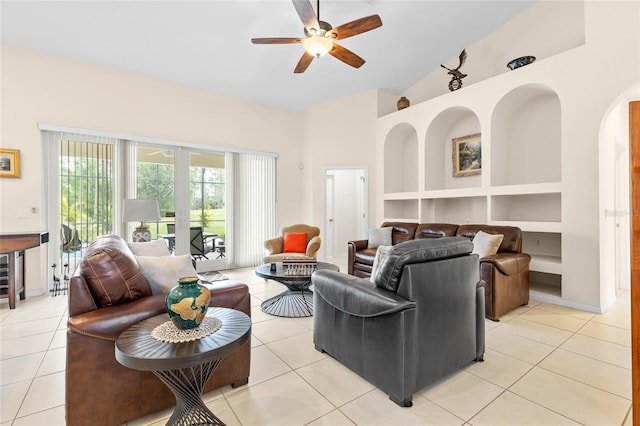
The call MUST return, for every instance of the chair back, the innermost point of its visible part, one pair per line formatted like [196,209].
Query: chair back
[312,231]
[171,228]
[196,241]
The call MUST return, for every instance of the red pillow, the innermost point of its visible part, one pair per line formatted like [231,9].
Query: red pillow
[295,242]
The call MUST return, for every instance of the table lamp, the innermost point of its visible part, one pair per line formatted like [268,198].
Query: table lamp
[136,210]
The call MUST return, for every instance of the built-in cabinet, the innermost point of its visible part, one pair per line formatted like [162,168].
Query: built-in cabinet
[521,180]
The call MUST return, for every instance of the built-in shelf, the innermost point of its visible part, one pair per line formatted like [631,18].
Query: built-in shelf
[521,180]
[402,209]
[545,284]
[401,155]
[527,207]
[548,264]
[458,210]
[526,137]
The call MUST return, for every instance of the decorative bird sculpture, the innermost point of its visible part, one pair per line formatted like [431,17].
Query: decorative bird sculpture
[455,73]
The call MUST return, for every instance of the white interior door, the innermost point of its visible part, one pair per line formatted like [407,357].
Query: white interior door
[330,216]
[345,208]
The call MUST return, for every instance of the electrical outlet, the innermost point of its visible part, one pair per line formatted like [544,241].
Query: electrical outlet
[537,242]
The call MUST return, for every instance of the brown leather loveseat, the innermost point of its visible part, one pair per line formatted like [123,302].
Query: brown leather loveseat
[506,273]
[107,294]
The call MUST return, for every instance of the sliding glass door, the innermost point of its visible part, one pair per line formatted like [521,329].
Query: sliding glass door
[207,209]
[196,223]
[218,206]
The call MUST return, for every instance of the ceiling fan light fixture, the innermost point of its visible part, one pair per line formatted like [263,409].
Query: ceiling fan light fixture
[317,45]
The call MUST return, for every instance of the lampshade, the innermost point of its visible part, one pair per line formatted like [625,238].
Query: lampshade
[317,45]
[135,210]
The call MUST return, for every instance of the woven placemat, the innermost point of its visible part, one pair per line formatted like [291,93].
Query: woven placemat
[168,332]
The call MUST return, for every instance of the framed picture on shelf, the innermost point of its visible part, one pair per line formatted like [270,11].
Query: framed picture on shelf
[9,163]
[466,155]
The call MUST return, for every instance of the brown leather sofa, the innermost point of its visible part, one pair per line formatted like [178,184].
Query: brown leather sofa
[506,274]
[107,294]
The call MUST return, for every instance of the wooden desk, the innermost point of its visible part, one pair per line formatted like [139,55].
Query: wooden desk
[13,245]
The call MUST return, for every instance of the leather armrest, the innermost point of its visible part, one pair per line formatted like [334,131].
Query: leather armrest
[107,323]
[313,246]
[509,263]
[357,296]
[274,245]
[80,298]
[358,244]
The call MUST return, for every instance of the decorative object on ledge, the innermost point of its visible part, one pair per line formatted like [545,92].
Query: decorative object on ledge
[187,303]
[466,155]
[456,74]
[137,210]
[9,163]
[521,62]
[403,103]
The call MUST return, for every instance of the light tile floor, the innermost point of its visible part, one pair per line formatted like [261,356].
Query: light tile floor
[544,365]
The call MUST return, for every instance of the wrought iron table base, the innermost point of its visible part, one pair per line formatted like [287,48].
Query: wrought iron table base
[293,303]
[186,385]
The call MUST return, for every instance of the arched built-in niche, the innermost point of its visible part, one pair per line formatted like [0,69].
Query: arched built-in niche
[401,159]
[526,137]
[450,124]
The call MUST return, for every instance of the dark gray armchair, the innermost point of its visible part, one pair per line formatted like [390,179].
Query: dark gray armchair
[421,320]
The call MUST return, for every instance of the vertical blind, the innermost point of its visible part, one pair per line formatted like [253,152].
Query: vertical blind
[81,207]
[255,196]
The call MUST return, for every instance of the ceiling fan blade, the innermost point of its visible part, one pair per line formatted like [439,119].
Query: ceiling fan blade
[277,40]
[303,63]
[307,15]
[356,27]
[346,56]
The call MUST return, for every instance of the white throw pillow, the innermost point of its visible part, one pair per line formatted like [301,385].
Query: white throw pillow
[379,237]
[381,252]
[162,272]
[150,248]
[486,244]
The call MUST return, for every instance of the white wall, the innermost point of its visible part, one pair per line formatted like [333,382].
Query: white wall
[340,132]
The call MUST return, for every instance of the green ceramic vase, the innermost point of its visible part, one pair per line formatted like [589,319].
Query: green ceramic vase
[187,303]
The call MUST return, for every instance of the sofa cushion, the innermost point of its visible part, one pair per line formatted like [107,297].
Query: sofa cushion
[295,242]
[379,237]
[418,251]
[163,272]
[402,231]
[150,248]
[486,244]
[112,273]
[435,230]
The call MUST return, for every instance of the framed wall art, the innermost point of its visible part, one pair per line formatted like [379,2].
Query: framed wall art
[9,163]
[466,155]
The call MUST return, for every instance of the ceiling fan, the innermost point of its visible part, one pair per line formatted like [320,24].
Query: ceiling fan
[321,37]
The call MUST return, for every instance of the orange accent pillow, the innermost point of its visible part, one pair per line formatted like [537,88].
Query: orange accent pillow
[295,242]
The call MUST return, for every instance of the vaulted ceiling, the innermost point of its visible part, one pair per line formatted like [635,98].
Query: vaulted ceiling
[207,44]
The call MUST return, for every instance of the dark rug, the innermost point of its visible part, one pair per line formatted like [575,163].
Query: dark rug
[212,276]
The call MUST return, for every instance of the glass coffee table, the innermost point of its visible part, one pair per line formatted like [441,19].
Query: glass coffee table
[297,300]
